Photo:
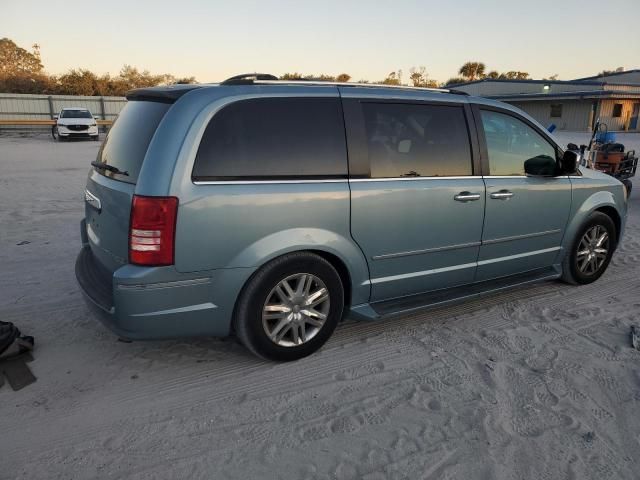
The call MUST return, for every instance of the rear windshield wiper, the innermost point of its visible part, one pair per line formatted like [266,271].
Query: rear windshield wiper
[110,168]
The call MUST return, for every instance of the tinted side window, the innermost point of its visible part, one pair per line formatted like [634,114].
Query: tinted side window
[409,140]
[274,138]
[511,142]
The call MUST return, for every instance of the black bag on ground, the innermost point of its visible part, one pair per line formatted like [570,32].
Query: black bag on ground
[15,351]
[8,333]
[12,342]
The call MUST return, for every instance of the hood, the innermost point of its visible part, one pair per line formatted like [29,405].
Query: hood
[597,174]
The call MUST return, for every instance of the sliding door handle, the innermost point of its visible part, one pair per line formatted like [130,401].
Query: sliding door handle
[466,197]
[502,195]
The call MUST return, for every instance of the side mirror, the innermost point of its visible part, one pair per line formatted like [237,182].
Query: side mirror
[569,162]
[55,117]
[95,117]
[541,166]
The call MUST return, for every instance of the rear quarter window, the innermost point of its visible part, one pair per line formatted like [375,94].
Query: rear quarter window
[274,138]
[128,140]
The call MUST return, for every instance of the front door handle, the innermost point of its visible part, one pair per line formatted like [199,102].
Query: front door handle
[466,197]
[502,195]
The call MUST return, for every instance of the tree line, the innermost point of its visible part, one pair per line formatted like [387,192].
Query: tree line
[22,71]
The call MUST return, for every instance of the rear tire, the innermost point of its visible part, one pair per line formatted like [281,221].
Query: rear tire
[591,250]
[290,307]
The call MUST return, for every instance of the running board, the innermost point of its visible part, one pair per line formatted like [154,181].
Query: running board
[398,306]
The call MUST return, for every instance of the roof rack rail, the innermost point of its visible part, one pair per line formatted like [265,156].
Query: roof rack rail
[248,78]
[267,79]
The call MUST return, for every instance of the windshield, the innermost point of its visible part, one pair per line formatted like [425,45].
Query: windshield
[127,141]
[76,114]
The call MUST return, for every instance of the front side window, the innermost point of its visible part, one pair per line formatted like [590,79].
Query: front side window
[274,138]
[410,140]
[511,142]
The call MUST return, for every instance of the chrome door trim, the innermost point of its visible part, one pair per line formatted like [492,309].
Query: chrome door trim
[526,176]
[426,250]
[404,276]
[504,176]
[328,180]
[267,182]
[462,266]
[519,255]
[395,179]
[520,237]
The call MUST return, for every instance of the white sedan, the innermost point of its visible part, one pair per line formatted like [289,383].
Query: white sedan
[76,122]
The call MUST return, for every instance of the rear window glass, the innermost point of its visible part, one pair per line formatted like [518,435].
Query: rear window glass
[127,141]
[274,138]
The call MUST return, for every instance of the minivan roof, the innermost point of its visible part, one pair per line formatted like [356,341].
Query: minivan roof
[171,93]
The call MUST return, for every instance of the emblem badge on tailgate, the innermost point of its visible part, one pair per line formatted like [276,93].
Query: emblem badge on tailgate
[92,200]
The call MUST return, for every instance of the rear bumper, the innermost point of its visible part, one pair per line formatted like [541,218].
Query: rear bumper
[142,303]
[95,281]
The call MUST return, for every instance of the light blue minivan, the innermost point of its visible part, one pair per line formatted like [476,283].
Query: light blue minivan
[270,210]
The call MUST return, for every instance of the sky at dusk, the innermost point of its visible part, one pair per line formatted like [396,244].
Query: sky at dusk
[213,40]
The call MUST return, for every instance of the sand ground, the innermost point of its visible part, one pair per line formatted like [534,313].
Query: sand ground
[535,383]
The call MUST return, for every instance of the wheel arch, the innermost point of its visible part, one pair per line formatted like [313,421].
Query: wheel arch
[612,213]
[602,201]
[345,256]
[337,263]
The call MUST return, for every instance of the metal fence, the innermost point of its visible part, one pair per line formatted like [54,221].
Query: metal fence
[43,107]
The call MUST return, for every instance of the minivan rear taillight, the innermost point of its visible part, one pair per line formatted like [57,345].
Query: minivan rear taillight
[152,230]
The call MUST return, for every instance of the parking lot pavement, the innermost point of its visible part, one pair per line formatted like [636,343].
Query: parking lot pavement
[539,382]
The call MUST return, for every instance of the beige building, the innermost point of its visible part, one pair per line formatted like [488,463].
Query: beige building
[570,105]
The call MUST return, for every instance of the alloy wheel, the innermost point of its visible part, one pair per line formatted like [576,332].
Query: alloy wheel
[593,250]
[296,310]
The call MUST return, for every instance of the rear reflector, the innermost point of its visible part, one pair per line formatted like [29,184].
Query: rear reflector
[152,230]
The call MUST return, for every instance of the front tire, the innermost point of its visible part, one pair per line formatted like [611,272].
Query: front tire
[290,307]
[591,250]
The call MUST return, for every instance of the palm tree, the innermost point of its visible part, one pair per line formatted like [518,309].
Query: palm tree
[472,70]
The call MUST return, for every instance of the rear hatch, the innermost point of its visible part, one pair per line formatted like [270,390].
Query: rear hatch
[109,193]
